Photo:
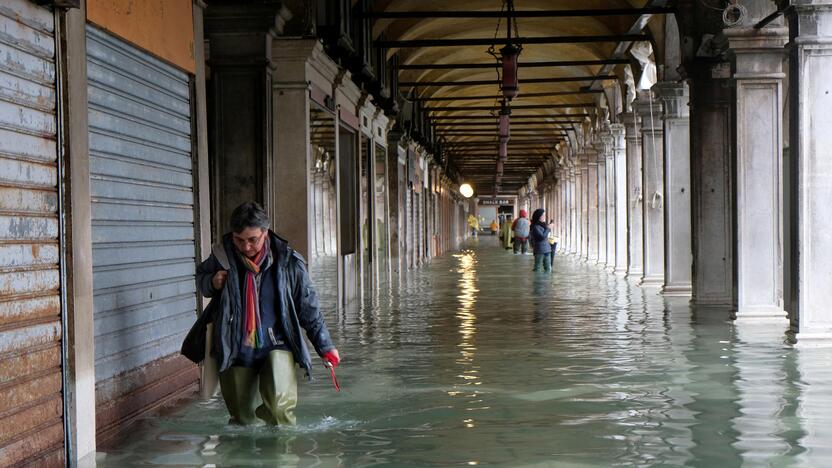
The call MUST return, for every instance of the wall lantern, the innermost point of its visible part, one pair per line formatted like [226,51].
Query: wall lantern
[466,190]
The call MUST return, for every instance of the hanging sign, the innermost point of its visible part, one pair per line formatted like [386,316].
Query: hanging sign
[496,201]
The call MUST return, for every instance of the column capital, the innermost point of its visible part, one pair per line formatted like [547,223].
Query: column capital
[814,20]
[675,97]
[631,121]
[758,53]
[651,114]
[589,156]
[617,133]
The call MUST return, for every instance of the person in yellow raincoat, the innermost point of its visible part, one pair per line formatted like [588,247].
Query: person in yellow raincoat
[506,233]
[474,223]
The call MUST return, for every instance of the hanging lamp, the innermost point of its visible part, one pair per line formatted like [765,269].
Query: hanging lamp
[505,130]
[509,56]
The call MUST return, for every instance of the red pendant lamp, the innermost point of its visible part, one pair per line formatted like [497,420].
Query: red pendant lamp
[509,57]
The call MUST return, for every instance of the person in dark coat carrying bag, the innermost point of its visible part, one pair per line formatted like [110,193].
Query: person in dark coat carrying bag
[539,237]
[262,302]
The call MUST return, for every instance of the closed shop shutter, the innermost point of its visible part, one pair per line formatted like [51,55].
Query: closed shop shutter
[144,248]
[31,405]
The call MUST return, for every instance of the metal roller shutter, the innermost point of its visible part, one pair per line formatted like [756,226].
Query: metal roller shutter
[144,248]
[31,405]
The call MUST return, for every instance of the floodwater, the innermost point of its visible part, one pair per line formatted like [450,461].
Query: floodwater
[476,361]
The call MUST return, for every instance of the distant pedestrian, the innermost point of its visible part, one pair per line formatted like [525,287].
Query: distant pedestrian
[494,227]
[506,234]
[521,232]
[539,237]
[553,242]
[474,224]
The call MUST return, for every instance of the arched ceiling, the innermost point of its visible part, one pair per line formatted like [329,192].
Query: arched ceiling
[551,99]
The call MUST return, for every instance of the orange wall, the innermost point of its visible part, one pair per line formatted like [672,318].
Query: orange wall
[164,28]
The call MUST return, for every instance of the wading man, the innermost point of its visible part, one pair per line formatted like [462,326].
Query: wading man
[263,300]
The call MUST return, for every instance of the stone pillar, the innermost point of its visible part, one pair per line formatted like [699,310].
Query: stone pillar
[620,194]
[240,92]
[759,78]
[678,254]
[581,192]
[810,141]
[565,227]
[601,158]
[610,178]
[297,64]
[635,201]
[652,149]
[711,159]
[574,209]
[591,206]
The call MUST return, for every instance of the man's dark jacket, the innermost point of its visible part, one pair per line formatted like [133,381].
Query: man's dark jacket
[294,296]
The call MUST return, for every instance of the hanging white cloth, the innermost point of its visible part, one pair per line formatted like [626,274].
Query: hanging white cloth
[642,51]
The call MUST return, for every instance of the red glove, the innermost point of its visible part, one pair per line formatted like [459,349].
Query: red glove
[332,357]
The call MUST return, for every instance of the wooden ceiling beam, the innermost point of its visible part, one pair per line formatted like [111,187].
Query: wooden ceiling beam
[513,116]
[588,105]
[521,64]
[563,13]
[561,79]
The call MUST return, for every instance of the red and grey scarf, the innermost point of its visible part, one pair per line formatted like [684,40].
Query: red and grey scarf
[253,337]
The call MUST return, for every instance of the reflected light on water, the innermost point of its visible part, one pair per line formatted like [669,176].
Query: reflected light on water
[467,318]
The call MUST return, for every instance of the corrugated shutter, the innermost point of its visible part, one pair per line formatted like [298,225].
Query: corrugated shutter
[143,223]
[31,405]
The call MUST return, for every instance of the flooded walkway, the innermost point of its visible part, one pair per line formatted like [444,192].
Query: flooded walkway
[475,360]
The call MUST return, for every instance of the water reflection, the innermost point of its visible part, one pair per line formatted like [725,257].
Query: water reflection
[474,360]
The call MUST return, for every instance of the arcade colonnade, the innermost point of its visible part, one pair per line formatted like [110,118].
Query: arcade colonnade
[714,187]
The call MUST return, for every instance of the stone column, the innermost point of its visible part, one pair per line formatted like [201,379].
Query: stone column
[635,202]
[582,193]
[611,181]
[574,209]
[297,64]
[810,143]
[601,158]
[620,194]
[566,228]
[591,206]
[678,254]
[240,91]
[759,78]
[653,182]
[711,158]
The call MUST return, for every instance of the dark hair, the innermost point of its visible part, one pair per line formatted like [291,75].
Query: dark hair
[538,214]
[249,215]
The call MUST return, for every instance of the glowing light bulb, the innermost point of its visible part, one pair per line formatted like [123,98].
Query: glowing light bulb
[466,190]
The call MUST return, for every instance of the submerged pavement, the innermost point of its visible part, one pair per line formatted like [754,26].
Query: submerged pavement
[475,360]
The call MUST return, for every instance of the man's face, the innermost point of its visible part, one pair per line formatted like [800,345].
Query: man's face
[249,241]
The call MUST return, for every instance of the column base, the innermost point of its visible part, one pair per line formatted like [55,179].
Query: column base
[716,302]
[678,290]
[760,314]
[620,271]
[635,274]
[819,338]
[652,281]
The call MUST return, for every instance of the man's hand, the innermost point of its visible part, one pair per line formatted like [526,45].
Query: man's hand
[218,281]
[332,357]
